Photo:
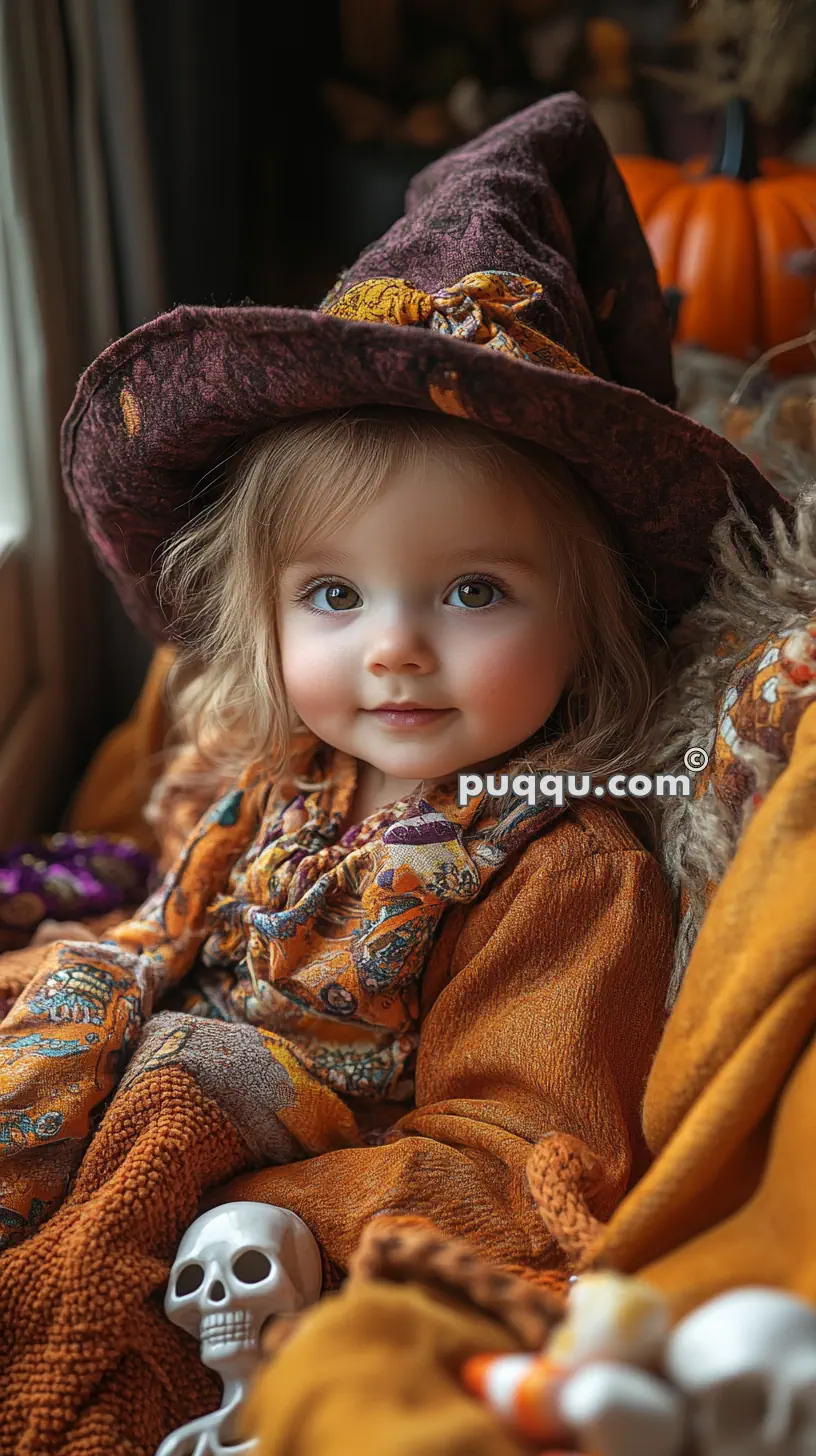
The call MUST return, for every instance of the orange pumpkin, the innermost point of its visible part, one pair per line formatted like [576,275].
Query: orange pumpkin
[725,235]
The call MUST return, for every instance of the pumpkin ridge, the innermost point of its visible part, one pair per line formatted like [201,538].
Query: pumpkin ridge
[784,312]
[721,303]
[660,197]
[799,220]
[676,207]
[797,205]
[653,181]
[762,294]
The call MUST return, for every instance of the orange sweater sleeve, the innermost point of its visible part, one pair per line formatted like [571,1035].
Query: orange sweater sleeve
[543,1009]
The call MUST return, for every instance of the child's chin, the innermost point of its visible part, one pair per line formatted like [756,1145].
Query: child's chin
[416,766]
[410,768]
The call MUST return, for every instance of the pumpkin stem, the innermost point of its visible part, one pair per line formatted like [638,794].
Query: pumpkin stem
[736,153]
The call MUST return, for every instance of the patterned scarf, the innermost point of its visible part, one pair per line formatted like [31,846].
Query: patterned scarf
[319,936]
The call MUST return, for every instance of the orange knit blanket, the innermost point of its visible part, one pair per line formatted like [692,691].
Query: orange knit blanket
[90,1363]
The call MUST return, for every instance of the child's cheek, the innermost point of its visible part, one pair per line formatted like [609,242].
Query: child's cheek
[494,668]
[512,677]
[315,671]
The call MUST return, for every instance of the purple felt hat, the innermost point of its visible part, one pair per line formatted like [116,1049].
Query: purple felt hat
[517,291]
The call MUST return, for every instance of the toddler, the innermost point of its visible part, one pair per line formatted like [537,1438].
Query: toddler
[429,528]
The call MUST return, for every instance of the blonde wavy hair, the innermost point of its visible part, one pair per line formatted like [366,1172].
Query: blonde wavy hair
[306,476]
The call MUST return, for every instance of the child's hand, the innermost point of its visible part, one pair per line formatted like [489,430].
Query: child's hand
[50,930]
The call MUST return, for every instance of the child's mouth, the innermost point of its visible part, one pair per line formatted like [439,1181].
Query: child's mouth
[408,716]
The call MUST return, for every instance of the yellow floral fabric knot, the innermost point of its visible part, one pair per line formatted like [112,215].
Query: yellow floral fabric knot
[382,301]
[482,308]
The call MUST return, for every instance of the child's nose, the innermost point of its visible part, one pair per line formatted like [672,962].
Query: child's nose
[398,649]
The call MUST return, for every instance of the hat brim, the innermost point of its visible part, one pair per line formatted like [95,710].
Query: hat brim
[160,409]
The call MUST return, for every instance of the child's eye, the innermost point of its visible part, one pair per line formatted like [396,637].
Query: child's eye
[475,593]
[334,596]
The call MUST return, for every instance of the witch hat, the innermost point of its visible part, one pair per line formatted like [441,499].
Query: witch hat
[517,291]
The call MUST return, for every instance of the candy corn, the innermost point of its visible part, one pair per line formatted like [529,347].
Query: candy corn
[522,1389]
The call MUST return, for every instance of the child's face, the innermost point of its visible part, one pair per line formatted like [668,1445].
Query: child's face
[424,636]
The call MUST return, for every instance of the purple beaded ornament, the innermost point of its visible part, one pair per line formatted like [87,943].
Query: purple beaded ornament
[68,877]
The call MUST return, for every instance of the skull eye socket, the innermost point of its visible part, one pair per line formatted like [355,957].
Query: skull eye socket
[742,1406]
[251,1267]
[189,1280]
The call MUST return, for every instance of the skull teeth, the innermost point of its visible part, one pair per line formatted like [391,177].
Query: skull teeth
[226,1328]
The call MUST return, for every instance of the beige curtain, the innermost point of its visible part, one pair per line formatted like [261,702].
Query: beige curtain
[79,264]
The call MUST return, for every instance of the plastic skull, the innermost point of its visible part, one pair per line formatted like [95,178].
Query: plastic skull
[747,1363]
[236,1266]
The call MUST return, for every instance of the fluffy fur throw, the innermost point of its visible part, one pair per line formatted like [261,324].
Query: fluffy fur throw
[763,591]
